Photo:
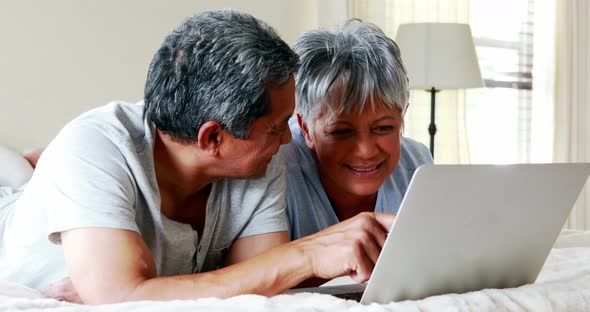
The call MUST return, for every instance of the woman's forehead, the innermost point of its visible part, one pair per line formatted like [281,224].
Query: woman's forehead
[376,109]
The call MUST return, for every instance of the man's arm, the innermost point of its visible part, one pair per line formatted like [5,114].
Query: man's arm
[247,247]
[33,156]
[109,265]
[242,249]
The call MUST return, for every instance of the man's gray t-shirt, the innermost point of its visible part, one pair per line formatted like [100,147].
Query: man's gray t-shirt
[99,172]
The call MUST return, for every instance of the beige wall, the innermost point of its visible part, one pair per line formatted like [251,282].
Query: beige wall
[60,58]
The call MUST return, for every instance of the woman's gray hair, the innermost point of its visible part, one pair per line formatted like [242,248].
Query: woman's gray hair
[352,64]
[216,66]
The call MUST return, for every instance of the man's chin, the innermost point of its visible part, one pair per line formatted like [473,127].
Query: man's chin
[258,174]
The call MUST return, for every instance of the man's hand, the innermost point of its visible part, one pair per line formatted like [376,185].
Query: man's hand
[62,290]
[348,248]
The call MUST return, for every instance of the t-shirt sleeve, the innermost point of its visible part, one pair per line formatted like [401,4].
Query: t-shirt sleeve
[269,214]
[83,180]
[415,154]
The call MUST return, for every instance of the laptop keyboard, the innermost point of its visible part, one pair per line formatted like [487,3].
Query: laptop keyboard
[356,296]
[348,292]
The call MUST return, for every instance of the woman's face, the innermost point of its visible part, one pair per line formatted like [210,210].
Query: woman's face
[356,152]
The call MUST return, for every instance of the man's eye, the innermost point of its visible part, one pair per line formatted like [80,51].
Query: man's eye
[280,129]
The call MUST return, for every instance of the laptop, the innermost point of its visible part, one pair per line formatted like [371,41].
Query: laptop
[464,228]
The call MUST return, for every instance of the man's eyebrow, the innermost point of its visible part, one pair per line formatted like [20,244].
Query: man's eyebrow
[286,120]
[282,123]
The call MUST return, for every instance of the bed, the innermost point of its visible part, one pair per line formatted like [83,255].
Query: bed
[563,285]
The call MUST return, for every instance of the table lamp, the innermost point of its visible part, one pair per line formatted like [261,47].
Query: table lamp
[438,56]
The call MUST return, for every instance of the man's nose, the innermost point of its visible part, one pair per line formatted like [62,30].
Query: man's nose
[286,136]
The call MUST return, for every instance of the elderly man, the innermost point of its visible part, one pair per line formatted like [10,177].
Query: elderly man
[180,197]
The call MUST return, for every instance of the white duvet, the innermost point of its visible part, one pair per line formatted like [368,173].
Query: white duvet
[563,285]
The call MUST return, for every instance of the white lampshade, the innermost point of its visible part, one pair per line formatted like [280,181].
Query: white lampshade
[439,55]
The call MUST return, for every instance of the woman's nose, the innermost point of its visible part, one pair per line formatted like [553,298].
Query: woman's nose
[366,146]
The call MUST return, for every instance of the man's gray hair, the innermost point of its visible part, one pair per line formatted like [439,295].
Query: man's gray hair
[216,66]
[339,70]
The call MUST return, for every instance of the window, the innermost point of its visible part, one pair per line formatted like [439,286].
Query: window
[486,125]
[498,117]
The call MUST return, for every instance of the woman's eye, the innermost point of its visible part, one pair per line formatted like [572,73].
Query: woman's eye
[383,129]
[340,132]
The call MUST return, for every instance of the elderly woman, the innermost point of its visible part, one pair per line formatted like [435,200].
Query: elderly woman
[348,154]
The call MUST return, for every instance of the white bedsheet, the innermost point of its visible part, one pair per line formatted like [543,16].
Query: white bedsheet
[563,285]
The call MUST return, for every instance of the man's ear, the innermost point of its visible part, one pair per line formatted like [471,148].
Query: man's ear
[210,137]
[305,131]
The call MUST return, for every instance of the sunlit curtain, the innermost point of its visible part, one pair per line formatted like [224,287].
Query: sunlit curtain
[572,106]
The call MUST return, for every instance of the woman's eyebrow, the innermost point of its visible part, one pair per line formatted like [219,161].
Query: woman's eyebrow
[387,118]
[336,122]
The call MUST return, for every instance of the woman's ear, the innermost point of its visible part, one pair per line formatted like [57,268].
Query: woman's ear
[305,131]
[210,137]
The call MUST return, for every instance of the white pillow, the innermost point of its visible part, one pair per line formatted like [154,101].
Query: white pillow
[13,290]
[15,170]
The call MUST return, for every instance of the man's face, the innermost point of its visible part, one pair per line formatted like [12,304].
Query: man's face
[250,157]
[356,152]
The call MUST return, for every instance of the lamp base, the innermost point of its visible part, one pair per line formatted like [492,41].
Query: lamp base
[432,126]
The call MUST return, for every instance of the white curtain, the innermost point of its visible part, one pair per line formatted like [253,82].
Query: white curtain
[572,104]
[451,144]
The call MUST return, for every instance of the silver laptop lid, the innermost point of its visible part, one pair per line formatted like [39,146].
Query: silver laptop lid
[462,228]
